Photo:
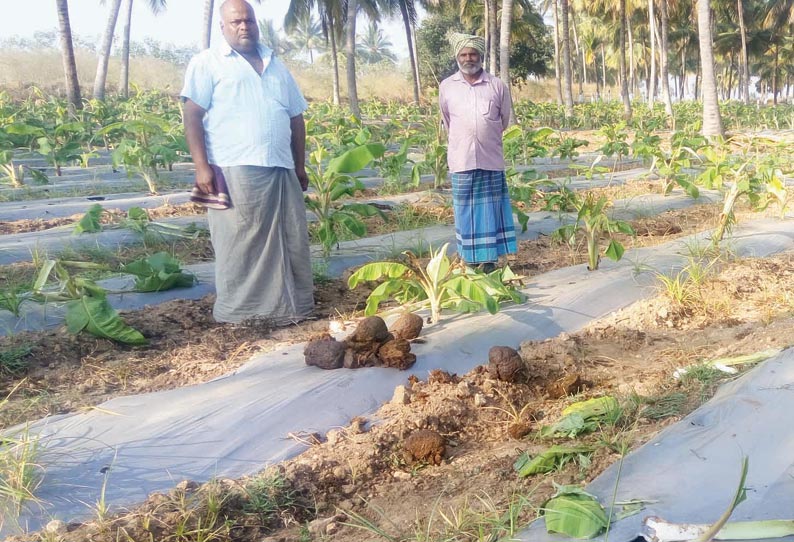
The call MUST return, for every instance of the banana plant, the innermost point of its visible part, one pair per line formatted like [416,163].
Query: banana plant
[15,174]
[436,153]
[392,165]
[758,178]
[669,166]
[330,183]
[523,188]
[439,283]
[567,147]
[87,306]
[594,222]
[147,142]
[616,136]
[63,144]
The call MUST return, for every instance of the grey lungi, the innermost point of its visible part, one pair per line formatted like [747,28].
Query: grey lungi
[262,259]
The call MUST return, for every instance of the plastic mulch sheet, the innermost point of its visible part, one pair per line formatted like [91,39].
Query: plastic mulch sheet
[690,471]
[238,424]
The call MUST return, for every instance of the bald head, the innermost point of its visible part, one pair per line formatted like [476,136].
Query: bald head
[238,24]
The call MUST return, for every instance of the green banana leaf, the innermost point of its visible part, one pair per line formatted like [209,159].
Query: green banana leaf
[96,316]
[472,291]
[90,221]
[575,513]
[356,158]
[549,460]
[375,271]
[606,406]
[158,272]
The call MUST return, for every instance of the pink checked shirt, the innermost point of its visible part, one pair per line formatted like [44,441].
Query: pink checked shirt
[475,115]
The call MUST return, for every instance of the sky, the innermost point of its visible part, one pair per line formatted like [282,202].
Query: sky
[179,24]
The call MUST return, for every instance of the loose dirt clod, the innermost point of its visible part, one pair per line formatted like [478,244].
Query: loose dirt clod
[408,326]
[397,354]
[424,445]
[570,384]
[442,377]
[370,329]
[325,353]
[518,430]
[505,364]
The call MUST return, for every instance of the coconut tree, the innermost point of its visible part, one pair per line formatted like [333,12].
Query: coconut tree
[271,38]
[307,34]
[206,33]
[557,67]
[491,11]
[350,52]
[409,17]
[332,18]
[67,54]
[565,40]
[624,83]
[712,121]
[615,14]
[104,52]
[504,47]
[156,6]
[664,63]
[374,47]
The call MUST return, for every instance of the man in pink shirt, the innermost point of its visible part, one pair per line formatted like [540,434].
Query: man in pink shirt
[475,109]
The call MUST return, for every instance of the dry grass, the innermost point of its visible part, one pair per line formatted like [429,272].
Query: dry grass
[43,68]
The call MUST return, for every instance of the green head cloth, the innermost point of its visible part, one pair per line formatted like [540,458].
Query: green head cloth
[459,41]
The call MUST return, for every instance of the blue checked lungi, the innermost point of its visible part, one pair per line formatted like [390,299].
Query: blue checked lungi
[484,227]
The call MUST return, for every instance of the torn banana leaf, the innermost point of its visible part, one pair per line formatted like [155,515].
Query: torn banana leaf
[575,513]
[549,460]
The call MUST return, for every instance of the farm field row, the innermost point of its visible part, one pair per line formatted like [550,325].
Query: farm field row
[589,324]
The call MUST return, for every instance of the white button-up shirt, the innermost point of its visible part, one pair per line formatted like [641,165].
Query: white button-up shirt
[248,115]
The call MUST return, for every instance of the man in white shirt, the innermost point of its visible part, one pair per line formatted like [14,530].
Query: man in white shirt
[243,116]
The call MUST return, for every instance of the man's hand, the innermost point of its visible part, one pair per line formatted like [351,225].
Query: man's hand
[303,177]
[205,179]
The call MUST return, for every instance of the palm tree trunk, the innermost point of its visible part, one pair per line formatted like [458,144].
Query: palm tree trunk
[350,49]
[712,122]
[683,71]
[624,83]
[334,61]
[67,54]
[632,64]
[416,60]
[504,48]
[104,53]
[566,60]
[124,79]
[775,75]
[604,68]
[492,33]
[411,56]
[557,69]
[206,33]
[664,61]
[744,69]
[652,74]
[577,47]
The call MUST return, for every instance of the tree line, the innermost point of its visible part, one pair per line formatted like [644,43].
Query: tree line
[657,50]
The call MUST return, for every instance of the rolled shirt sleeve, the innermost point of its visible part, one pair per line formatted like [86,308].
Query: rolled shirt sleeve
[198,83]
